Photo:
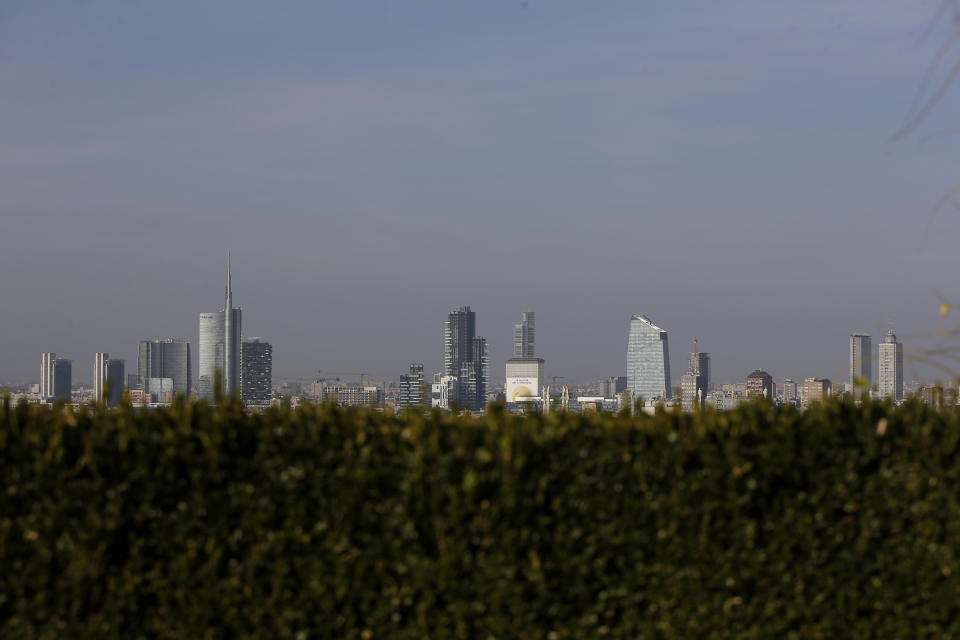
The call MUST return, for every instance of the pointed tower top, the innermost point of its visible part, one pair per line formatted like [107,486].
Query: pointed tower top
[229,296]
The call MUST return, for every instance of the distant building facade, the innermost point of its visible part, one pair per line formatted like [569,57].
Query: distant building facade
[465,358]
[524,335]
[789,392]
[890,363]
[613,386]
[694,384]
[648,360]
[412,391]
[108,373]
[815,390]
[167,358]
[256,372]
[56,378]
[861,362]
[443,390]
[524,377]
[219,347]
[760,383]
[351,395]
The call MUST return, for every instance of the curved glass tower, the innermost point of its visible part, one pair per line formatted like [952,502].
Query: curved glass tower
[648,360]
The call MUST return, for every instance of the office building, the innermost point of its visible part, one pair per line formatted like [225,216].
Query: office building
[890,361]
[56,378]
[789,392]
[523,336]
[256,372]
[443,389]
[613,386]
[108,378]
[814,390]
[524,377]
[648,361]
[760,383]
[861,363]
[167,358]
[219,347]
[465,358]
[46,374]
[347,395]
[158,390]
[695,383]
[412,389]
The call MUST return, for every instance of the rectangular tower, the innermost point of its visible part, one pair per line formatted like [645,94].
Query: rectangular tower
[46,374]
[890,360]
[61,377]
[256,375]
[411,388]
[861,362]
[167,358]
[523,336]
[108,373]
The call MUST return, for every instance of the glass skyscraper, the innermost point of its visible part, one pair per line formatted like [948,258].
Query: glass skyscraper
[169,358]
[861,363]
[648,360]
[219,347]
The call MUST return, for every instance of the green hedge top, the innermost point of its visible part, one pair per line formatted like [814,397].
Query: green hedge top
[320,522]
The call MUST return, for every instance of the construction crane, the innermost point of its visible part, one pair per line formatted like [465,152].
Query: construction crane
[362,374]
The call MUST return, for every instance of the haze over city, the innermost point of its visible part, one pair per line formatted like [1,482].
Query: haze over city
[723,168]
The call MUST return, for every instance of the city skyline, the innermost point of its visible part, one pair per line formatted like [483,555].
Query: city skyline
[462,320]
[738,152]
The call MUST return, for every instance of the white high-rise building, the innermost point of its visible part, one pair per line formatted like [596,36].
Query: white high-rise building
[648,360]
[108,370]
[46,374]
[861,362]
[56,378]
[219,347]
[890,360]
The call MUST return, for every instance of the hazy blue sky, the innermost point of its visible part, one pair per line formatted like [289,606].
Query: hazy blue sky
[718,166]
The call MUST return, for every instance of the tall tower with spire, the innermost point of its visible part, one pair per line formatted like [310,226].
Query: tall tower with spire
[219,346]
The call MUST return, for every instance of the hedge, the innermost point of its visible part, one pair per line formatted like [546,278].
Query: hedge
[321,522]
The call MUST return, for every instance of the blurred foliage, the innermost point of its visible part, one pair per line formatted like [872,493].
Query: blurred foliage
[321,522]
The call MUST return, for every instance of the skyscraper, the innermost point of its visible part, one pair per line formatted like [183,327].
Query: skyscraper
[524,371]
[411,388]
[220,346]
[56,377]
[890,361]
[108,372]
[167,358]
[256,375]
[861,362]
[648,360]
[465,358]
[696,380]
[46,374]
[523,336]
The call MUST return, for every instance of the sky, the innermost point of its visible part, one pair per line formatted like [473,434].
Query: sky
[725,168]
